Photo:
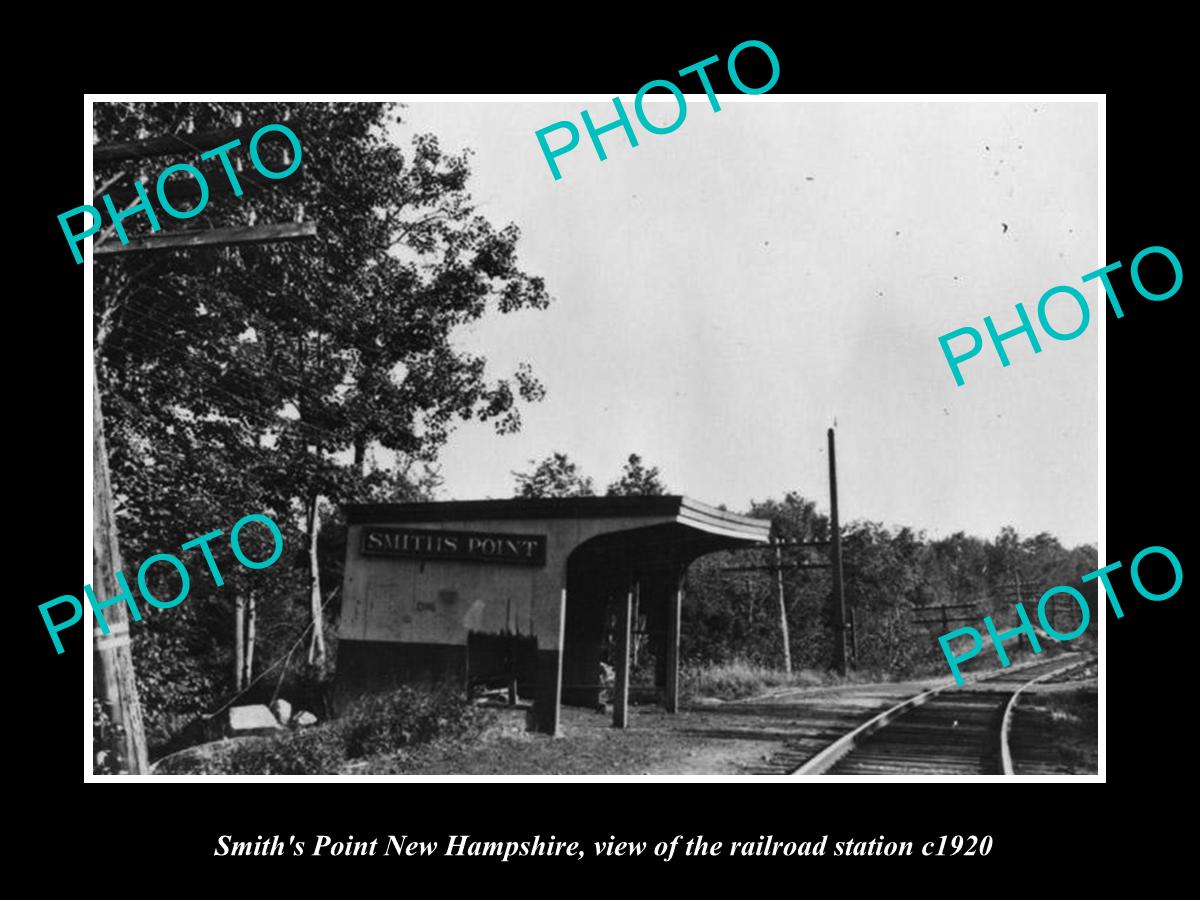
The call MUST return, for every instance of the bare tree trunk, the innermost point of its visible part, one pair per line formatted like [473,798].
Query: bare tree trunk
[251,629]
[239,642]
[360,454]
[316,649]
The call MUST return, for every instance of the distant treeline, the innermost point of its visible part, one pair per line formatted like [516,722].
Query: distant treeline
[895,581]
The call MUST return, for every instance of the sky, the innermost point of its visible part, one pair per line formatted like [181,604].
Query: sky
[725,293]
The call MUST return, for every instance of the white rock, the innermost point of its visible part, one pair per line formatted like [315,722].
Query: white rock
[304,718]
[282,710]
[255,719]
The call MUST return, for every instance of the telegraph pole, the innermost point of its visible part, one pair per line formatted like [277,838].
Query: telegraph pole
[778,565]
[783,622]
[839,599]
[112,658]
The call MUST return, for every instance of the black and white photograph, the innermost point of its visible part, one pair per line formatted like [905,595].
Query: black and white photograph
[538,437]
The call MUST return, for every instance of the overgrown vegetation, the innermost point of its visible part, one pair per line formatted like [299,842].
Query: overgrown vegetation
[896,581]
[288,378]
[104,745]
[738,678]
[1066,722]
[309,751]
[406,716]
[373,727]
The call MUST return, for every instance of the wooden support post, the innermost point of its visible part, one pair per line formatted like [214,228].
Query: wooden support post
[549,679]
[621,687]
[674,612]
[636,620]
[839,599]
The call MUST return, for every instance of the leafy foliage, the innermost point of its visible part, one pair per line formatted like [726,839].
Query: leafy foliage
[558,476]
[637,480]
[554,476]
[376,725]
[308,751]
[387,722]
[104,745]
[895,581]
[277,377]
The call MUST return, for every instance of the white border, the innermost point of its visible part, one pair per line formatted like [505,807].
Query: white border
[88,186]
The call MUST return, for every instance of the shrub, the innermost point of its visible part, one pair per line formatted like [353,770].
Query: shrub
[104,760]
[310,751]
[408,715]
[374,725]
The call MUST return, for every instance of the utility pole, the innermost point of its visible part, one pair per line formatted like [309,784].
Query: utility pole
[783,622]
[839,598]
[113,679]
[777,568]
[112,657]
[853,638]
[778,565]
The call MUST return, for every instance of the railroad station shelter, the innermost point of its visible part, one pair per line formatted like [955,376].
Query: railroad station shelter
[525,591]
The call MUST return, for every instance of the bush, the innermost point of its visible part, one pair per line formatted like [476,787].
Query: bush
[375,725]
[307,751]
[408,715]
[104,760]
[310,751]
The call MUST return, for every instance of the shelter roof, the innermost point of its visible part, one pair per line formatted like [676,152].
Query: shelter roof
[684,510]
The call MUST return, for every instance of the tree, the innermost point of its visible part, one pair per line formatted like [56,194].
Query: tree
[733,615]
[554,476]
[891,576]
[636,480]
[266,378]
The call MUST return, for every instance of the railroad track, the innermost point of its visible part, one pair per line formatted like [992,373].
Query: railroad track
[944,731]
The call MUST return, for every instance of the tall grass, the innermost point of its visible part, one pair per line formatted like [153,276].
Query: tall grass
[739,678]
